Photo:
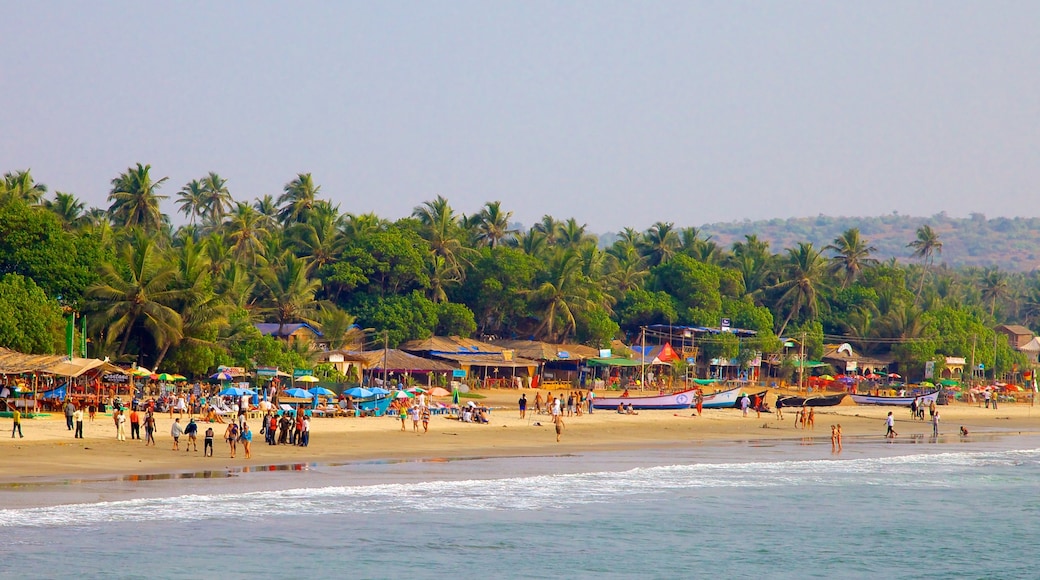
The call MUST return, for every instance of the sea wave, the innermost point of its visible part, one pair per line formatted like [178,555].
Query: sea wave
[537,492]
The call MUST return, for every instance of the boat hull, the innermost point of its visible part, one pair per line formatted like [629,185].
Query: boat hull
[723,399]
[820,401]
[681,400]
[925,399]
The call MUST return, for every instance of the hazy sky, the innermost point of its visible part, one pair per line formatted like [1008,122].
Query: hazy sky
[616,113]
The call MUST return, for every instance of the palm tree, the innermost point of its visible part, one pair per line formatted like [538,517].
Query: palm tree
[287,294]
[216,199]
[561,296]
[442,275]
[440,227]
[66,207]
[994,287]
[493,224]
[358,226]
[137,295]
[925,247]
[192,200]
[339,328]
[267,207]
[134,199]
[532,242]
[246,232]
[297,199]
[804,272]
[572,235]
[203,310]
[21,185]
[319,238]
[660,243]
[549,226]
[851,255]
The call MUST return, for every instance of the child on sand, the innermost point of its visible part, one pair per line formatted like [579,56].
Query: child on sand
[558,419]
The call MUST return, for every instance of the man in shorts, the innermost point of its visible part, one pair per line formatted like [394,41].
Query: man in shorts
[191,430]
[890,423]
[558,420]
[207,443]
[176,431]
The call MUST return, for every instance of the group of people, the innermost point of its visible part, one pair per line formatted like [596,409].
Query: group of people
[290,428]
[576,403]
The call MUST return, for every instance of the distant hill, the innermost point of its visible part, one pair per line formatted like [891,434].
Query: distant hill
[1010,243]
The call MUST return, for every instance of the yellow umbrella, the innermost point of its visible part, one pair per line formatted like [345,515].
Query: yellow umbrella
[307,379]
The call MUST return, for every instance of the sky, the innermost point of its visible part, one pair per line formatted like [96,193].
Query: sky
[619,114]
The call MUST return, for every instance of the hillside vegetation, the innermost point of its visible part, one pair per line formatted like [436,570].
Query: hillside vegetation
[1009,243]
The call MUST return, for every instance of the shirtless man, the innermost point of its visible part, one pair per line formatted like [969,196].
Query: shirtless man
[558,420]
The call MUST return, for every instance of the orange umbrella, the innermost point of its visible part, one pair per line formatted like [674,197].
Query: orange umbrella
[439,392]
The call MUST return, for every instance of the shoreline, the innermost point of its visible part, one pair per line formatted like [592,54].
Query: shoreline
[49,458]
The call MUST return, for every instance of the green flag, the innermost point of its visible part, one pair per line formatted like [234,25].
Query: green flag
[83,336]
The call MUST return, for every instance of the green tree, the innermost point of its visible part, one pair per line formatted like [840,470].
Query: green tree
[191,200]
[135,296]
[851,255]
[20,185]
[135,201]
[804,273]
[67,208]
[493,224]
[216,199]
[297,199]
[287,292]
[30,322]
[926,246]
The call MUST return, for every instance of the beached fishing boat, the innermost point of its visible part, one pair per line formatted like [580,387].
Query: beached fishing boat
[723,399]
[925,399]
[751,397]
[680,400]
[812,401]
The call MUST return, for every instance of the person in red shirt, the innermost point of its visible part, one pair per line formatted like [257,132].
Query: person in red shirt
[135,425]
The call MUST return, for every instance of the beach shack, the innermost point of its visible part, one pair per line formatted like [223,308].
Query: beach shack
[479,362]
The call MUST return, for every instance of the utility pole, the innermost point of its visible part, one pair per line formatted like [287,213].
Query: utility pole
[642,358]
[386,348]
[801,362]
[971,377]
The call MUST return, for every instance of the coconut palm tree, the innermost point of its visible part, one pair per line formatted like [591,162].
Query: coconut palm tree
[287,293]
[573,235]
[995,287]
[339,328]
[297,199]
[493,225]
[660,243]
[217,200]
[804,271]
[137,295]
[135,202]
[68,208]
[246,231]
[560,297]
[550,227]
[192,200]
[440,227]
[21,185]
[358,226]
[320,237]
[851,256]
[926,246]
[267,207]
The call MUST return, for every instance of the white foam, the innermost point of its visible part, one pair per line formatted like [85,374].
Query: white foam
[526,493]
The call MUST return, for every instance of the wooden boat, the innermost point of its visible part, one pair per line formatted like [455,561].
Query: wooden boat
[751,397]
[812,401]
[723,399]
[680,400]
[925,399]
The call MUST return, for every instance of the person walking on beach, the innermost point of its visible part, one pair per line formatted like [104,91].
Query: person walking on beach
[538,403]
[247,440]
[91,410]
[231,436]
[135,425]
[149,429]
[77,416]
[120,425]
[414,413]
[523,405]
[207,443]
[305,432]
[890,423]
[176,431]
[69,409]
[16,416]
[700,403]
[558,420]
[591,398]
[935,424]
[745,402]
[191,430]
[779,408]
[402,413]
[425,419]
[810,420]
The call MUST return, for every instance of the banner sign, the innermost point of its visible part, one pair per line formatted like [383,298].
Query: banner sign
[267,371]
[297,373]
[115,378]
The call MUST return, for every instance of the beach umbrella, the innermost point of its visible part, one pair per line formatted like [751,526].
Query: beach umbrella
[299,394]
[439,392]
[141,372]
[358,393]
[221,376]
[307,379]
[894,376]
[379,391]
[321,392]
[235,392]
[163,377]
[826,378]
[177,377]
[927,384]
[416,390]
[403,395]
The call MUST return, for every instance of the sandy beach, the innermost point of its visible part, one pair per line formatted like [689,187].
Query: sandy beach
[49,452]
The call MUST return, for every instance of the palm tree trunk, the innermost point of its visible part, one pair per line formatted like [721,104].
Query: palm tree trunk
[162,355]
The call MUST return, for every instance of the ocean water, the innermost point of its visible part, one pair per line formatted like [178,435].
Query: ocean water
[917,509]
